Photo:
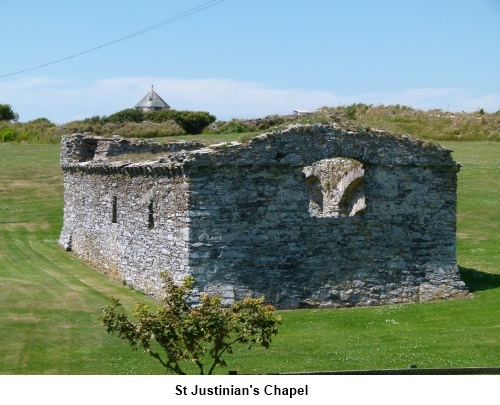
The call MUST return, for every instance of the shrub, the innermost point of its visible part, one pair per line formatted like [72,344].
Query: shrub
[203,335]
[128,115]
[96,119]
[8,134]
[350,112]
[194,122]
[161,116]
[44,122]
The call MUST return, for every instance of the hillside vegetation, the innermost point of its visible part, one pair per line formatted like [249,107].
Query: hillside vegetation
[433,124]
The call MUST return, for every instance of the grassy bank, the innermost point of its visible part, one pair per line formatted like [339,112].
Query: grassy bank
[49,301]
[433,124]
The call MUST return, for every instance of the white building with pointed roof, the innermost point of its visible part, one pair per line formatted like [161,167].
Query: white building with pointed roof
[152,102]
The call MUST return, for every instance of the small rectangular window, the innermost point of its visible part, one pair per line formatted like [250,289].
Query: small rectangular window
[151,219]
[114,211]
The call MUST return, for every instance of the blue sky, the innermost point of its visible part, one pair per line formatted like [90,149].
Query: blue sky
[248,58]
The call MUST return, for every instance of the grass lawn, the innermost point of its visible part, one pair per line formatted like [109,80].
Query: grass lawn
[49,301]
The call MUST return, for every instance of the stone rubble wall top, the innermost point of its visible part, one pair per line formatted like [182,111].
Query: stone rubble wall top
[298,145]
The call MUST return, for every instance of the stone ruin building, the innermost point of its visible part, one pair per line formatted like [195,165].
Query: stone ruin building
[311,216]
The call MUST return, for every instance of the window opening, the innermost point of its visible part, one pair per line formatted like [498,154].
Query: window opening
[114,211]
[336,187]
[89,147]
[151,219]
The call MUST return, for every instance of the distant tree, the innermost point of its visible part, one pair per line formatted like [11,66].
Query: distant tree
[200,334]
[7,113]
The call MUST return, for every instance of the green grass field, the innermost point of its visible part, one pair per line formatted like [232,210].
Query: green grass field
[49,301]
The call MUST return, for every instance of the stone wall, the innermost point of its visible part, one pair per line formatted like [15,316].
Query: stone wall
[129,246]
[310,216]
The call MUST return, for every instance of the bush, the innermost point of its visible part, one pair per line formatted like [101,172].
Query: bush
[8,134]
[194,122]
[44,122]
[350,112]
[202,335]
[161,116]
[95,120]
[128,115]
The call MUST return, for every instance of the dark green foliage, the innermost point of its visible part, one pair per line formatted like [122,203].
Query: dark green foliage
[7,113]
[128,115]
[162,116]
[192,333]
[194,122]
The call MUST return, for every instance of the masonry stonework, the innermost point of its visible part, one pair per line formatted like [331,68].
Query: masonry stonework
[311,216]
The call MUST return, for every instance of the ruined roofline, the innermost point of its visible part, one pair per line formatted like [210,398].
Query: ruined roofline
[295,145]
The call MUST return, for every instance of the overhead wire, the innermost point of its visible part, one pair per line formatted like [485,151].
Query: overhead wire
[180,16]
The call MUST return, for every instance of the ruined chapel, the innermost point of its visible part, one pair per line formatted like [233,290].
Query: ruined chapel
[309,216]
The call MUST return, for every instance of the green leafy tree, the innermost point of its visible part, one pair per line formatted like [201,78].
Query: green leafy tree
[7,113]
[201,334]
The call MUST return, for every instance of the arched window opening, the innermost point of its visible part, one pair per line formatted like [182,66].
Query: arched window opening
[336,187]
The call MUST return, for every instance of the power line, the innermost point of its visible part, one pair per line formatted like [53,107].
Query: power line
[185,14]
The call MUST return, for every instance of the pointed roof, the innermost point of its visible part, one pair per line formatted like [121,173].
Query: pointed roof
[152,100]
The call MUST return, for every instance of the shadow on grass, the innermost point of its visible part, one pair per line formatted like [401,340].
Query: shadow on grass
[477,280]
